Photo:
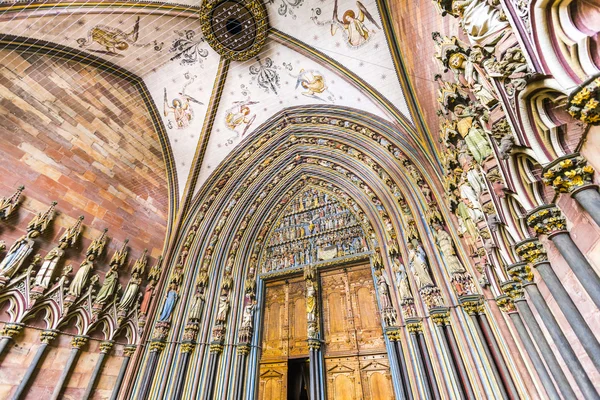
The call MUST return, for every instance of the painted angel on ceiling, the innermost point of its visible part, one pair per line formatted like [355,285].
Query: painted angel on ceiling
[313,83]
[352,23]
[180,107]
[239,116]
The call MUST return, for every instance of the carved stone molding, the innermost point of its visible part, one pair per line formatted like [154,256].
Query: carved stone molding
[157,346]
[440,316]
[105,347]
[187,347]
[520,272]
[513,289]
[129,350]
[11,330]
[473,305]
[79,341]
[48,336]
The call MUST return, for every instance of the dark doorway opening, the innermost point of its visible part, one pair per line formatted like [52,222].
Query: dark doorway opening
[298,379]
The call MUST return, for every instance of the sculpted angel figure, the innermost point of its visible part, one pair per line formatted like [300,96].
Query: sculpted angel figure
[353,24]
[313,82]
[485,24]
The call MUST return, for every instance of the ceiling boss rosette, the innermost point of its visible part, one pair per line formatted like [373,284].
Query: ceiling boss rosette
[236,29]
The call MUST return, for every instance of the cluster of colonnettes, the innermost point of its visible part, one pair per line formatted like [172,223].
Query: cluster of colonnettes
[310,250]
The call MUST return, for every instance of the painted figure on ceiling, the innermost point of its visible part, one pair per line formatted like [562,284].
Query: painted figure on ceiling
[181,109]
[239,117]
[314,84]
[353,24]
[113,40]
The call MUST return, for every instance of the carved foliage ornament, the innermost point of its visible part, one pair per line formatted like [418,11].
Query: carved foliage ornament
[546,219]
[568,173]
[584,102]
[235,29]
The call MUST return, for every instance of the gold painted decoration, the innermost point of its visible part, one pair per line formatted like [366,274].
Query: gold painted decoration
[235,29]
[568,173]
[584,102]
[546,219]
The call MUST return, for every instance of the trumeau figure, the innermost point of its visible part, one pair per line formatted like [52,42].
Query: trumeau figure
[418,266]
[446,246]
[311,302]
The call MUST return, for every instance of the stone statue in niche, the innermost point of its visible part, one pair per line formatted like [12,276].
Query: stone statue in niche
[446,246]
[44,276]
[45,273]
[111,279]
[131,291]
[86,267]
[384,291]
[223,308]
[418,265]
[402,281]
[485,24]
[469,167]
[153,278]
[248,315]
[169,305]
[17,254]
[470,129]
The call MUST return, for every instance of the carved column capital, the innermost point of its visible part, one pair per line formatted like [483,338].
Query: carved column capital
[513,289]
[568,173]
[78,342]
[314,344]
[473,304]
[520,272]
[531,250]
[243,349]
[440,316]
[414,326]
[546,220]
[129,350]
[106,346]
[157,346]
[187,347]
[393,334]
[216,347]
[48,336]
[10,330]
[506,304]
[584,102]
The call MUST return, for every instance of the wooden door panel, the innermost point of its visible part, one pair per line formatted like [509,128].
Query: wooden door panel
[274,332]
[376,378]
[273,381]
[369,333]
[343,378]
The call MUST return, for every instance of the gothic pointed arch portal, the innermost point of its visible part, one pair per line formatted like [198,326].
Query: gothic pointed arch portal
[205,337]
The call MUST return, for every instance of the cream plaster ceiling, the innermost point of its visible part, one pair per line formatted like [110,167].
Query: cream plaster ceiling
[162,43]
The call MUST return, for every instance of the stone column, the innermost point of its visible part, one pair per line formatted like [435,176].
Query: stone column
[76,344]
[9,331]
[186,350]
[532,251]
[104,349]
[393,335]
[548,220]
[127,353]
[216,348]
[242,354]
[415,328]
[522,272]
[506,304]
[156,347]
[473,306]
[515,291]
[572,174]
[46,338]
[441,318]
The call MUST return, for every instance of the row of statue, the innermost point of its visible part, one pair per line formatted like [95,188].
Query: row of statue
[312,198]
[313,226]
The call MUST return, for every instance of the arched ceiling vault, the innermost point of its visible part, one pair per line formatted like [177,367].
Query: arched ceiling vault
[153,36]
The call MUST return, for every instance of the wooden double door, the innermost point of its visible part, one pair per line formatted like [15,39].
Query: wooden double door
[356,362]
